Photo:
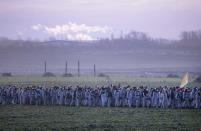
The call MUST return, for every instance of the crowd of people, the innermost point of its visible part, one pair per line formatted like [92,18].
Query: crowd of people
[110,96]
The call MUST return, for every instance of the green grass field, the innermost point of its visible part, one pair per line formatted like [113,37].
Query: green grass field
[15,117]
[91,118]
[92,81]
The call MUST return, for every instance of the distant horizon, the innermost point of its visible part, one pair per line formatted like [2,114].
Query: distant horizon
[137,72]
[52,38]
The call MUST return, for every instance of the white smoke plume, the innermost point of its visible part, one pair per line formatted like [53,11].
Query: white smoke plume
[72,31]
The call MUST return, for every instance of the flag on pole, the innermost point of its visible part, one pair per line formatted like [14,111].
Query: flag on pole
[184,80]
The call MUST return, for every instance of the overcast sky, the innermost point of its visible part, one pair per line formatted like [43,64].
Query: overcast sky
[90,19]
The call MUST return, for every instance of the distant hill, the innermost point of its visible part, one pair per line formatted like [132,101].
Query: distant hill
[106,54]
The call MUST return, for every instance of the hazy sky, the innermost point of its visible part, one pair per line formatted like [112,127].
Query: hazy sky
[89,19]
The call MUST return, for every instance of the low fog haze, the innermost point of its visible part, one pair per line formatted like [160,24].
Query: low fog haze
[134,51]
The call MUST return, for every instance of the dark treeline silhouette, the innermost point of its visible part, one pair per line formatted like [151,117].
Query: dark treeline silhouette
[185,36]
[191,36]
[134,37]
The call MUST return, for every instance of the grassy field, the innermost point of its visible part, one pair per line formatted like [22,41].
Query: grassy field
[92,81]
[15,117]
[91,118]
